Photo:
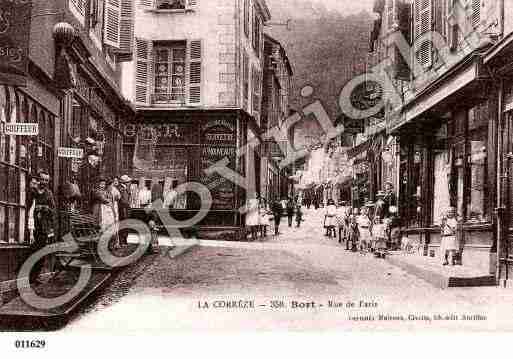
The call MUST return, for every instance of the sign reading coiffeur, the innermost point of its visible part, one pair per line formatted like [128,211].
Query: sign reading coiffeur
[68,152]
[15,22]
[21,129]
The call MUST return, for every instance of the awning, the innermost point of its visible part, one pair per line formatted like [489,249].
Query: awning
[465,81]
[357,150]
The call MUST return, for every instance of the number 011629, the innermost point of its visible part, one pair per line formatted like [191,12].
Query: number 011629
[30,344]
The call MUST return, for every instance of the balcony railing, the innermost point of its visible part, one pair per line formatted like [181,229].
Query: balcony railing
[168,99]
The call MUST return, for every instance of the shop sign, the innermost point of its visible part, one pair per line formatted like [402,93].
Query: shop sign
[21,129]
[171,133]
[218,131]
[68,152]
[221,189]
[15,19]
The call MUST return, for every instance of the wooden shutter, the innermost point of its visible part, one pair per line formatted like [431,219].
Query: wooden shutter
[112,23]
[126,35]
[476,13]
[423,17]
[78,7]
[143,71]
[246,17]
[146,4]
[191,4]
[195,57]
[390,13]
[402,68]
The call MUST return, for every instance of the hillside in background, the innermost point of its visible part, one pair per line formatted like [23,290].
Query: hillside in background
[326,48]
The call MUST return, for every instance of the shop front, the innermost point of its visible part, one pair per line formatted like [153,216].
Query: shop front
[447,159]
[164,150]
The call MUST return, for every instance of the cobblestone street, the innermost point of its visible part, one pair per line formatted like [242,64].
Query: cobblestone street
[300,280]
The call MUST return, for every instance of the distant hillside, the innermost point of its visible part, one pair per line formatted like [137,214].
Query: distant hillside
[325,47]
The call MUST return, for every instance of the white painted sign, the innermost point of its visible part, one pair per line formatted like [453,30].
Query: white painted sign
[67,152]
[21,129]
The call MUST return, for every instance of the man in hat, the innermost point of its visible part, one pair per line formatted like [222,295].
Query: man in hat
[43,219]
[124,206]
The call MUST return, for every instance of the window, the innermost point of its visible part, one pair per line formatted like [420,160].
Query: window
[256,92]
[256,32]
[411,205]
[170,4]
[170,74]
[246,18]
[460,172]
[245,80]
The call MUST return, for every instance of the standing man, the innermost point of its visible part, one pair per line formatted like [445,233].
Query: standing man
[290,211]
[277,210]
[124,206]
[44,208]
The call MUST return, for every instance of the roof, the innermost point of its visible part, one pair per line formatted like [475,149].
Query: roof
[282,51]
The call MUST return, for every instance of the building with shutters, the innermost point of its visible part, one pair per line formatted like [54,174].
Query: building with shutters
[450,120]
[275,109]
[196,81]
[71,89]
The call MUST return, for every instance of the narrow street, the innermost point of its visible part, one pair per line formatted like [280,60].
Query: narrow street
[298,281]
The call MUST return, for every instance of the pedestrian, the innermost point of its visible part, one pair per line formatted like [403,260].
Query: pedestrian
[290,210]
[364,227]
[379,237]
[264,217]
[116,196]
[253,215]
[145,195]
[341,221]
[449,247]
[124,207]
[154,226]
[353,232]
[103,206]
[330,218]
[299,214]
[44,220]
[277,210]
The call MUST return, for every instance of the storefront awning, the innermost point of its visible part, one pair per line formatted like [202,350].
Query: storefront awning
[463,81]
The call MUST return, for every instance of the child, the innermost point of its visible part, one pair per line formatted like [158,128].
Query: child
[154,229]
[379,237]
[449,245]
[353,233]
[364,225]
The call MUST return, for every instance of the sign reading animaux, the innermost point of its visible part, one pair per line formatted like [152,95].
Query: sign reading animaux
[15,22]
[21,129]
[68,152]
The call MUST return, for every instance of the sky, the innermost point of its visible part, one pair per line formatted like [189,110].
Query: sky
[347,6]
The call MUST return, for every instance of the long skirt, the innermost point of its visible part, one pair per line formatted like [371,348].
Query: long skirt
[449,243]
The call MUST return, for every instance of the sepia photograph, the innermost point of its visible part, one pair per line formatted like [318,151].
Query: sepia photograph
[171,166]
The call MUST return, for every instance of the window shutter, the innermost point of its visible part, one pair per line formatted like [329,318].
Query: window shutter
[143,71]
[195,57]
[246,17]
[126,35]
[78,7]
[390,13]
[112,23]
[476,13]
[146,3]
[192,4]
[423,15]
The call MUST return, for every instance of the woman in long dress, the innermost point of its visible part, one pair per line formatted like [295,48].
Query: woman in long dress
[330,218]
[264,217]
[364,227]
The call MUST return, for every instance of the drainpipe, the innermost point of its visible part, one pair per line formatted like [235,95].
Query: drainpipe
[500,181]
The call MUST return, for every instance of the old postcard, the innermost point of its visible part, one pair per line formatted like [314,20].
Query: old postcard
[255,165]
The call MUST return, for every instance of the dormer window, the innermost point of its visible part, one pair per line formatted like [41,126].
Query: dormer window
[170,4]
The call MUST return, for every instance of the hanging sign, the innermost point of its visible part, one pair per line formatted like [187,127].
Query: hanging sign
[21,129]
[15,22]
[68,152]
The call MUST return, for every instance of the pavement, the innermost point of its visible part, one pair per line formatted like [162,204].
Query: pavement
[299,280]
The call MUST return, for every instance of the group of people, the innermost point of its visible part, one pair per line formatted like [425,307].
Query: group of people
[370,228]
[259,215]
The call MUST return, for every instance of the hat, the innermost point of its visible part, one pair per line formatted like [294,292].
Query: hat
[125,179]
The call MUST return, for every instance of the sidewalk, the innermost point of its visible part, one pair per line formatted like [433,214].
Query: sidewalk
[432,271]
[18,315]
